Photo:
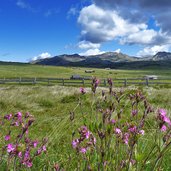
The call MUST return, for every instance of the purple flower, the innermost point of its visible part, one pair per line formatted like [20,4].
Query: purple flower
[141,132]
[163,128]
[82,90]
[83,150]
[44,148]
[20,154]
[112,121]
[87,134]
[10,148]
[35,143]
[27,131]
[162,112]
[7,137]
[132,129]
[162,116]
[8,117]
[97,82]
[134,112]
[75,143]
[16,124]
[19,114]
[39,151]
[29,164]
[167,120]
[126,138]
[117,131]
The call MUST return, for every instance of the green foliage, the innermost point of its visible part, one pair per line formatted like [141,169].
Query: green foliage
[51,107]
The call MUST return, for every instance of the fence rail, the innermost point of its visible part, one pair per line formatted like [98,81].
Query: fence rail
[83,82]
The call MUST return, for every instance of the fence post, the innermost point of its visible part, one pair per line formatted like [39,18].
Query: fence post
[146,81]
[20,80]
[125,82]
[83,81]
[48,82]
[105,82]
[35,80]
[63,81]
[4,80]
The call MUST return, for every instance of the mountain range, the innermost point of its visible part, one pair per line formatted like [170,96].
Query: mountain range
[109,60]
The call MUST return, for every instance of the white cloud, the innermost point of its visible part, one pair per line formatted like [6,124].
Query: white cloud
[92,52]
[153,50]
[42,56]
[23,4]
[51,12]
[118,51]
[100,25]
[103,23]
[88,45]
[72,12]
[140,37]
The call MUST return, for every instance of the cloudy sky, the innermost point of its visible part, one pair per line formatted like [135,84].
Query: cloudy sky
[32,29]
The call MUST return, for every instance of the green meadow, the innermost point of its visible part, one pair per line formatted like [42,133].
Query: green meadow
[51,107]
[28,70]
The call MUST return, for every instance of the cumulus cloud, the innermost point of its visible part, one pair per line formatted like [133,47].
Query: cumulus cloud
[99,25]
[118,51]
[153,50]
[92,52]
[41,56]
[127,21]
[88,45]
[142,8]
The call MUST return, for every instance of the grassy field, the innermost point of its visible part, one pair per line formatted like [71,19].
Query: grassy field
[51,106]
[26,70]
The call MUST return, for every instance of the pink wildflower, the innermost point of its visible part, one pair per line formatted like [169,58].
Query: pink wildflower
[112,121]
[162,112]
[97,82]
[75,143]
[141,132]
[117,131]
[87,134]
[163,128]
[82,90]
[134,112]
[20,154]
[44,148]
[35,143]
[8,117]
[126,138]
[10,148]
[83,150]
[133,129]
[7,137]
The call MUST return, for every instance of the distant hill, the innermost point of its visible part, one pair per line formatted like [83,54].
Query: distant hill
[109,60]
[162,56]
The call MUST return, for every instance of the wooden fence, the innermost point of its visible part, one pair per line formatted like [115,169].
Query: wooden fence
[83,82]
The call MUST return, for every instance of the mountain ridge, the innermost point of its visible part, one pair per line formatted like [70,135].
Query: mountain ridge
[108,60]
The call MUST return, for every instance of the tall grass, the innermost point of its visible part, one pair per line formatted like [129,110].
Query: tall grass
[51,107]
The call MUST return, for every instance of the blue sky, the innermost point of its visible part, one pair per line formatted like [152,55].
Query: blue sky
[31,29]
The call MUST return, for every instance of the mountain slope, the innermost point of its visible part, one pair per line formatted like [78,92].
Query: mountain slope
[162,56]
[109,60]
